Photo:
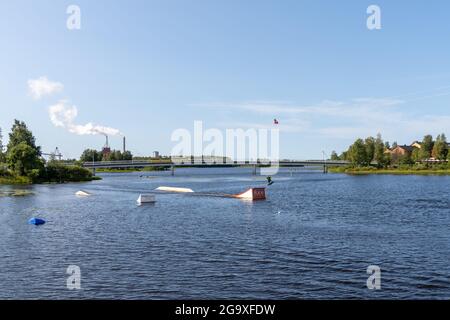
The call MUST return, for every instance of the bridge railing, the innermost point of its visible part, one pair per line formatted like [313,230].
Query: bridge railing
[205,162]
[330,162]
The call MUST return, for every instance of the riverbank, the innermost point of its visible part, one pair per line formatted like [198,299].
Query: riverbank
[52,173]
[390,171]
[28,181]
[15,180]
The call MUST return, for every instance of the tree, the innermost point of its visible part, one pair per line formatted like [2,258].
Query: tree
[405,160]
[116,155]
[23,155]
[344,156]
[20,133]
[380,156]
[90,155]
[358,153]
[387,145]
[2,154]
[415,155]
[334,156]
[23,159]
[58,172]
[394,145]
[440,148]
[370,148]
[427,147]
[127,156]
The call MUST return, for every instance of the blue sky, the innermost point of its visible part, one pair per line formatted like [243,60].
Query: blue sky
[148,68]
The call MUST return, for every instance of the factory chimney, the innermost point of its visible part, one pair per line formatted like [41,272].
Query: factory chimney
[106,149]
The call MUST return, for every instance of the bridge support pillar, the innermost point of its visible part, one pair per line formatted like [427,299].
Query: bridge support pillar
[325,169]
[172,169]
[93,171]
[255,169]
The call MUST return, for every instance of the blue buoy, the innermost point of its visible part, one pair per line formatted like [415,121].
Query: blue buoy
[36,221]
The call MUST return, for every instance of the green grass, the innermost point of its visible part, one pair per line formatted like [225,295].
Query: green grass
[27,181]
[69,180]
[390,171]
[15,180]
[52,174]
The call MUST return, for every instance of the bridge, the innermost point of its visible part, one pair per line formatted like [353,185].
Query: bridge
[202,164]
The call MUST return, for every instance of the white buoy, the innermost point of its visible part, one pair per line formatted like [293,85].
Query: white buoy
[146,198]
[82,193]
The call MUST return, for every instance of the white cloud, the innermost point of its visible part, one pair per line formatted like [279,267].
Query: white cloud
[41,87]
[63,115]
[358,117]
[292,125]
[326,107]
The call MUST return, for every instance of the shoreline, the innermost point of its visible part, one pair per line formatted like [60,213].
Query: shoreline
[405,172]
[15,181]
[25,181]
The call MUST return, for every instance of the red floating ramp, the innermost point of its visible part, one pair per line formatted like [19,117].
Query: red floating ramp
[253,194]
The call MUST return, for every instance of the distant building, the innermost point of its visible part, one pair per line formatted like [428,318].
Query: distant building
[156,154]
[405,150]
[106,151]
[416,144]
[402,150]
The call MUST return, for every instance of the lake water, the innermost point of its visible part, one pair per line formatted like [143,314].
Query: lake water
[313,238]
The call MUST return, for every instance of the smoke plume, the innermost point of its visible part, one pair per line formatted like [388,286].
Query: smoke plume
[63,115]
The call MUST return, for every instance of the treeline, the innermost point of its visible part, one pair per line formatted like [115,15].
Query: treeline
[114,155]
[364,152]
[22,161]
[437,149]
[374,151]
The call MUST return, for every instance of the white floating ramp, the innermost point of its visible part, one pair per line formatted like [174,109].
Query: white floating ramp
[252,194]
[146,198]
[172,189]
[82,193]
